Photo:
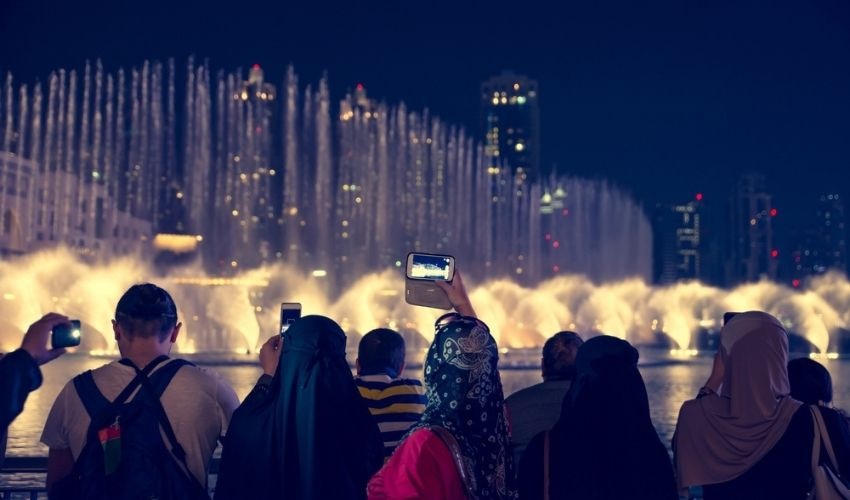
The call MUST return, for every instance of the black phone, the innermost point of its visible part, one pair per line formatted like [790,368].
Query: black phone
[67,334]
[289,313]
[727,317]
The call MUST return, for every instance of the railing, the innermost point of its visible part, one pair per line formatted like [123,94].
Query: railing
[38,465]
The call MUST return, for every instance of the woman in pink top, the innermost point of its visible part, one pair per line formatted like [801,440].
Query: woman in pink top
[460,447]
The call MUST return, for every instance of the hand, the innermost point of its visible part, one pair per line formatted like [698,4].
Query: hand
[456,293]
[718,370]
[270,355]
[35,340]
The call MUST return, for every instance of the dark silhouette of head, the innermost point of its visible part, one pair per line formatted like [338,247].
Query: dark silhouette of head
[146,310]
[559,356]
[810,381]
[381,352]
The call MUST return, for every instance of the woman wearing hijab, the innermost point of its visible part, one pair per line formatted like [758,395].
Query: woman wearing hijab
[604,445]
[303,433]
[744,436]
[811,384]
[460,448]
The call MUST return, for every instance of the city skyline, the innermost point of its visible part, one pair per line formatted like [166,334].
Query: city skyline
[661,100]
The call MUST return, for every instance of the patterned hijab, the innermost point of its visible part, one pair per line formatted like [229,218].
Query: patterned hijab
[465,397]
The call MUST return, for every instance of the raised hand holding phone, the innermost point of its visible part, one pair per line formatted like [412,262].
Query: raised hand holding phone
[423,273]
[35,340]
[456,292]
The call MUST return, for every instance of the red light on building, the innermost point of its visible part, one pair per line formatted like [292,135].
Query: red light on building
[548,236]
[566,212]
[774,253]
[555,244]
[359,86]
[256,66]
[773,212]
[556,268]
[795,283]
[699,196]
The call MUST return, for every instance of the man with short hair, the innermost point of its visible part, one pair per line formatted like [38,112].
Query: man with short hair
[197,403]
[537,408]
[395,403]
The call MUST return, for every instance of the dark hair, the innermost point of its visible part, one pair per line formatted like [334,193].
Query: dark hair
[810,381]
[146,310]
[559,355]
[381,351]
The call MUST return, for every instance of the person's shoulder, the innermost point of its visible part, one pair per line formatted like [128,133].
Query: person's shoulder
[522,394]
[204,379]
[405,382]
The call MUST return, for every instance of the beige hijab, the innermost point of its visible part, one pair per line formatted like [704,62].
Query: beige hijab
[719,437]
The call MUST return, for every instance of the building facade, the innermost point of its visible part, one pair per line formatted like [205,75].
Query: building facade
[511,124]
[751,254]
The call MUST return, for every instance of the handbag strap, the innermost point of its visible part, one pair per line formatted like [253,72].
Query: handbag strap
[454,449]
[824,435]
[546,465]
[816,444]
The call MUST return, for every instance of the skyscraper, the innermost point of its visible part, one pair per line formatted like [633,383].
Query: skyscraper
[751,252]
[823,245]
[677,242]
[511,124]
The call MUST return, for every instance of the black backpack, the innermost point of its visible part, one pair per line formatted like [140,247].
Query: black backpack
[146,469]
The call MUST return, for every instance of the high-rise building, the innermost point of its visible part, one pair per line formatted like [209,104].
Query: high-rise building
[511,124]
[677,242]
[751,251]
[823,246]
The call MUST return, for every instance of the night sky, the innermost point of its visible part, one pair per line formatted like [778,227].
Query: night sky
[665,98]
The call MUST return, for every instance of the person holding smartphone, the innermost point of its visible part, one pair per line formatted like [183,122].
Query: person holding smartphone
[460,448]
[19,370]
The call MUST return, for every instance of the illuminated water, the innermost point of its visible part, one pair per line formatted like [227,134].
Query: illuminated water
[236,314]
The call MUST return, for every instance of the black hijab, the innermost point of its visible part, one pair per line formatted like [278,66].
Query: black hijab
[604,446]
[309,435]
[465,397]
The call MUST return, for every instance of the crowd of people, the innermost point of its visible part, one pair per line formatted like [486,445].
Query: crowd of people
[147,426]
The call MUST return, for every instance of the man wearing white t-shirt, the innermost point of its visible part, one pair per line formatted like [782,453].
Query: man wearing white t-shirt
[198,403]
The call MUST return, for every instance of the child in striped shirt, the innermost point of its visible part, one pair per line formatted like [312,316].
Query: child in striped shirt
[395,403]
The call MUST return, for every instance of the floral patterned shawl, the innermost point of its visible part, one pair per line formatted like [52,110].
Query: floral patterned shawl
[465,397]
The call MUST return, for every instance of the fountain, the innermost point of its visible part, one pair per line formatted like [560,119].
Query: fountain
[291,198]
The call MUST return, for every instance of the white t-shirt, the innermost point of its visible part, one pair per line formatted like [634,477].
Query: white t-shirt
[198,404]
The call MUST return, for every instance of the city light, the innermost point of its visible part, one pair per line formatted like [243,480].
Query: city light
[795,283]
[774,253]
[319,273]
[203,281]
[773,212]
[699,196]
[177,243]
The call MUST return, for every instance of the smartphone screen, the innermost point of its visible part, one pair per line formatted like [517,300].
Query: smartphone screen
[67,335]
[423,266]
[289,313]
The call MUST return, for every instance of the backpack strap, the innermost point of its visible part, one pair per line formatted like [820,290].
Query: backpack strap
[546,465]
[95,402]
[155,385]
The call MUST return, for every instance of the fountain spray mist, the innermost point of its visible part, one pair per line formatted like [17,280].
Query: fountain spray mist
[237,313]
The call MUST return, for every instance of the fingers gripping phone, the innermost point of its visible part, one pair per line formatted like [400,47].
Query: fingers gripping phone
[423,270]
[67,334]
[289,313]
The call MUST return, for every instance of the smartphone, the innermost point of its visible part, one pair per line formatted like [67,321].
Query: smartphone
[66,335]
[289,313]
[727,317]
[432,267]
